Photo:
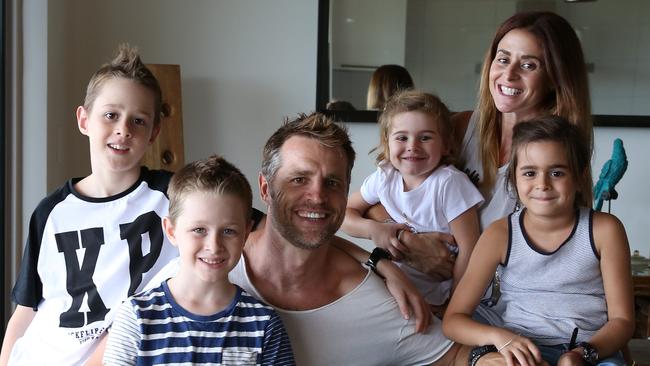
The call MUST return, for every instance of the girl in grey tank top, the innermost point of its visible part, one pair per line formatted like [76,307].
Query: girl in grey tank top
[564,270]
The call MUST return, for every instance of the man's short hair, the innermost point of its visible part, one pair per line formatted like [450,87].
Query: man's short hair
[317,126]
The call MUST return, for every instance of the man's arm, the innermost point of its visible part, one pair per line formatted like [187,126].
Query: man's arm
[408,298]
[20,320]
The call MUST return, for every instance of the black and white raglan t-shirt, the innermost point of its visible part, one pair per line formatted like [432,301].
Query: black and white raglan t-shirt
[83,257]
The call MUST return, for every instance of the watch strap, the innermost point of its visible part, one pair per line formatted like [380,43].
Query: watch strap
[377,255]
[589,352]
[478,352]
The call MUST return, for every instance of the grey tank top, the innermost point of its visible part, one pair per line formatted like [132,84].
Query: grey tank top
[547,295]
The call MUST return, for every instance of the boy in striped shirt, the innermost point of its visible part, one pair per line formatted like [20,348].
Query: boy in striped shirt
[198,316]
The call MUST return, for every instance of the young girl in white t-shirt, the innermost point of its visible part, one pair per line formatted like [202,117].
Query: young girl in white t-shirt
[418,187]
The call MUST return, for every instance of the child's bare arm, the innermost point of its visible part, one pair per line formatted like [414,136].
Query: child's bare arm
[383,234]
[20,320]
[466,231]
[611,242]
[458,323]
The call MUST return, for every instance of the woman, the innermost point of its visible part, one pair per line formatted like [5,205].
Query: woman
[535,66]
[386,81]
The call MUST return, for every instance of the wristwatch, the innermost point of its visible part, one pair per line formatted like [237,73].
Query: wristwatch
[589,352]
[377,255]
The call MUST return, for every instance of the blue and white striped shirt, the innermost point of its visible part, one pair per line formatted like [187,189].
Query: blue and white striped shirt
[151,328]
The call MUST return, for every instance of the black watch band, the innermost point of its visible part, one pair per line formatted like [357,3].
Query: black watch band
[377,255]
[478,352]
[589,353]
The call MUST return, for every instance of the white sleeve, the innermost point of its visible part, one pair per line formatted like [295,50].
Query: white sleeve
[123,337]
[370,187]
[458,195]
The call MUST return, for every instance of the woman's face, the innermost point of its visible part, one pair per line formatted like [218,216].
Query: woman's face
[518,81]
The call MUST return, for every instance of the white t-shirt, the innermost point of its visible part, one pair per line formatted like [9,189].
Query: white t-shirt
[83,257]
[364,327]
[442,197]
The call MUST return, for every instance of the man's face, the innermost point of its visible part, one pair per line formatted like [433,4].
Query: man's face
[308,196]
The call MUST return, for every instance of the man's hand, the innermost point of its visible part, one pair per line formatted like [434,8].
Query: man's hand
[408,298]
[428,253]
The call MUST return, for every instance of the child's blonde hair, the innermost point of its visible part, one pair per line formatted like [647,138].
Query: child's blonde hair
[554,129]
[415,101]
[128,65]
[213,175]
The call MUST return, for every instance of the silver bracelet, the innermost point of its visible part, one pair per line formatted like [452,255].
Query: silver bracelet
[507,343]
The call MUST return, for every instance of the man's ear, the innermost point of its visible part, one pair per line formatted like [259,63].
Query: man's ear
[264,188]
[82,120]
[168,228]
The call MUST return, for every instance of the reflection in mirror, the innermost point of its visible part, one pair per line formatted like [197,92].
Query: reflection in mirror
[441,43]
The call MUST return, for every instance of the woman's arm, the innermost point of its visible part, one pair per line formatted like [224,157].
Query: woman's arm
[611,242]
[428,253]
[18,323]
[458,323]
[465,229]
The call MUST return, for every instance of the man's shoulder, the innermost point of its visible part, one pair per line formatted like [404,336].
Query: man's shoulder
[341,262]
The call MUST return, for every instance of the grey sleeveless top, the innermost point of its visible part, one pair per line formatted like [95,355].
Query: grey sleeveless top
[546,295]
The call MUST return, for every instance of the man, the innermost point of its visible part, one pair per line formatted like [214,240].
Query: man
[336,313]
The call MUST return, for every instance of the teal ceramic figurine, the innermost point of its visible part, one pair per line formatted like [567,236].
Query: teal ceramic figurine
[612,172]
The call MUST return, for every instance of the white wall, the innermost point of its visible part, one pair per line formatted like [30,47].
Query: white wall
[244,65]
[632,205]
[447,39]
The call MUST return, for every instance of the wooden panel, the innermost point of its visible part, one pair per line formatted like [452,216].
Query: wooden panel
[167,152]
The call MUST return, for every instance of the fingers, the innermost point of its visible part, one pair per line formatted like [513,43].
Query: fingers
[396,254]
[524,357]
[397,242]
[522,351]
[422,314]
[403,304]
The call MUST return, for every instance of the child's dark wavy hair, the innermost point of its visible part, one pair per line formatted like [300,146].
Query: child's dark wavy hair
[555,129]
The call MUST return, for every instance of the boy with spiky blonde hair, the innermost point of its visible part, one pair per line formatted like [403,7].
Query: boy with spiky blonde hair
[95,240]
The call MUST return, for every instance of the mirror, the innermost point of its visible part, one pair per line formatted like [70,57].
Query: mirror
[442,42]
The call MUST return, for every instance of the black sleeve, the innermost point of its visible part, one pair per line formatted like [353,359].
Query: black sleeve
[257,216]
[157,179]
[28,290]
